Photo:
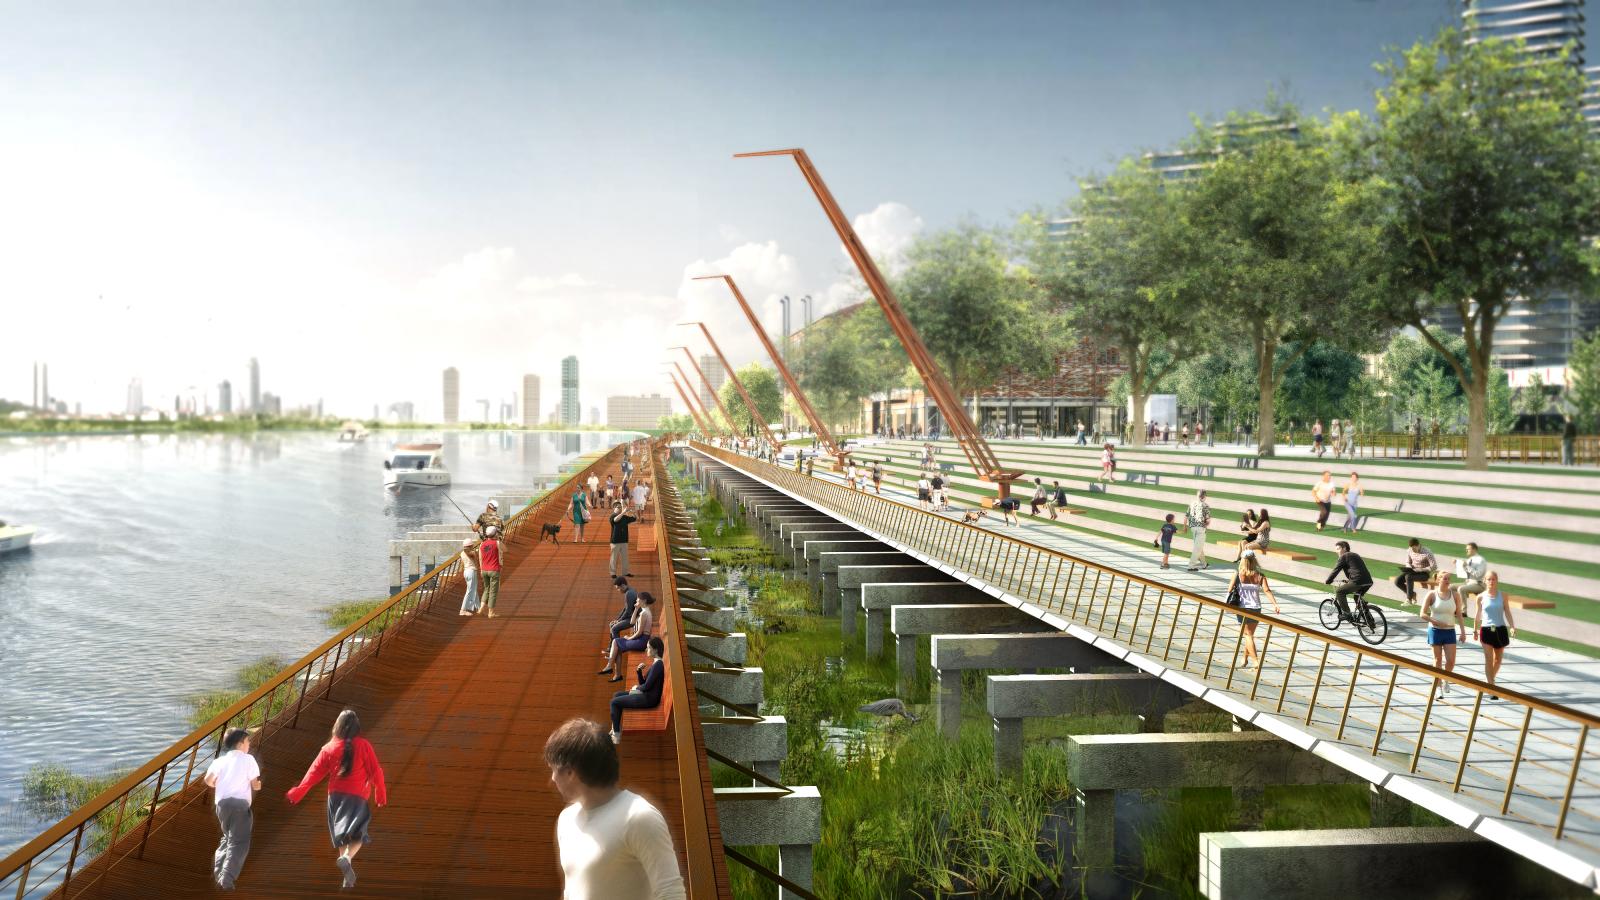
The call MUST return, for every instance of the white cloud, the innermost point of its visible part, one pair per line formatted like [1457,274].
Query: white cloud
[888,232]
[535,284]
[477,271]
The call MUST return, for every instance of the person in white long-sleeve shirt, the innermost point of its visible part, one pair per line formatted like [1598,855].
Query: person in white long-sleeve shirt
[612,843]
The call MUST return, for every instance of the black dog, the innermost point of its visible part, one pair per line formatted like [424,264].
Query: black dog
[550,530]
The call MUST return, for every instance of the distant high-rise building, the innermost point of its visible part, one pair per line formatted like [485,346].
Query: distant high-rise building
[271,404]
[225,397]
[1536,335]
[400,411]
[452,396]
[715,374]
[530,400]
[637,412]
[135,397]
[255,386]
[571,412]
[594,415]
[44,387]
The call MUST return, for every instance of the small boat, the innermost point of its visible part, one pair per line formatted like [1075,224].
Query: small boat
[15,537]
[415,465]
[352,432]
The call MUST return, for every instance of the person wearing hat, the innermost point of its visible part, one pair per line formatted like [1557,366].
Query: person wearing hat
[469,572]
[489,516]
[489,563]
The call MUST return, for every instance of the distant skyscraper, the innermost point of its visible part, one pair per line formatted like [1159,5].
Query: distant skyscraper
[135,397]
[571,412]
[44,386]
[452,396]
[637,412]
[400,411]
[530,400]
[255,386]
[594,415]
[715,374]
[34,400]
[225,398]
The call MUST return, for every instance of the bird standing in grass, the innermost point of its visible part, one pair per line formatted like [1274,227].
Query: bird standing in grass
[891,707]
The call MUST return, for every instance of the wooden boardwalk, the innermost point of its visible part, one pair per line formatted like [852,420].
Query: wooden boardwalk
[458,709]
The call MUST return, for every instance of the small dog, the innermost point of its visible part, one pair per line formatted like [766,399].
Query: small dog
[549,530]
[971,516]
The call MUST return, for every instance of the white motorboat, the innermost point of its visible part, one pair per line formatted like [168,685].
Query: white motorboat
[415,465]
[15,537]
[352,432]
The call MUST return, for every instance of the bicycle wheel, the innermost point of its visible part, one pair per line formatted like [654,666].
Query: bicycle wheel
[1372,625]
[1329,611]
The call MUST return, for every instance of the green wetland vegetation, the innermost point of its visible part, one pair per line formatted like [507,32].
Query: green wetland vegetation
[908,814]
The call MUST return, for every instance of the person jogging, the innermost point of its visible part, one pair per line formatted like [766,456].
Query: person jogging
[354,776]
[233,778]
[1322,493]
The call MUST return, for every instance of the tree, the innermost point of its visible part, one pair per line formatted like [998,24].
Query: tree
[1531,400]
[1584,394]
[676,423]
[1483,186]
[1501,414]
[1280,247]
[978,315]
[1125,273]
[1224,379]
[841,359]
[1318,385]
[762,383]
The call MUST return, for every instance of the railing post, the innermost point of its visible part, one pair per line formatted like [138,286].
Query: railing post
[1383,715]
[300,701]
[1572,781]
[327,693]
[155,801]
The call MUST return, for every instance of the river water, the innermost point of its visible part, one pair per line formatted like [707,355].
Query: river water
[164,563]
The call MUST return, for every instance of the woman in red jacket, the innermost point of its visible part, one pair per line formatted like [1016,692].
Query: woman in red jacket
[351,765]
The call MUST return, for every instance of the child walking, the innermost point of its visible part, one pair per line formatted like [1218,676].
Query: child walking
[1164,539]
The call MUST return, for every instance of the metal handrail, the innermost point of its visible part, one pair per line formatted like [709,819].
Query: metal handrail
[1061,582]
[349,647]
[769,875]
[700,850]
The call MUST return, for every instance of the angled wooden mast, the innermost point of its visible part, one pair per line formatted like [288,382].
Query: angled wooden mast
[726,416]
[817,428]
[693,411]
[977,450]
[711,420]
[749,401]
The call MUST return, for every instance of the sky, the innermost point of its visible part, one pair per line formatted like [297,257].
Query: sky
[360,194]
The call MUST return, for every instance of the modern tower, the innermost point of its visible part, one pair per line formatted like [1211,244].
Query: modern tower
[255,386]
[571,412]
[715,374]
[135,397]
[530,401]
[1537,335]
[225,398]
[452,396]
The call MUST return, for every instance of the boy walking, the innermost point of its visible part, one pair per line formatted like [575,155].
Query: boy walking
[232,777]
[1164,539]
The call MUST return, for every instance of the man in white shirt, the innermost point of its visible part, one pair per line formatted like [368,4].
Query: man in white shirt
[1471,570]
[1196,519]
[1322,493]
[232,777]
[612,843]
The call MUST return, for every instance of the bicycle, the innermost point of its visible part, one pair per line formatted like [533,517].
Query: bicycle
[1368,618]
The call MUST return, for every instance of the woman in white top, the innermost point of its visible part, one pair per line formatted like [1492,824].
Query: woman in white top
[1251,583]
[1441,609]
[469,572]
[1108,462]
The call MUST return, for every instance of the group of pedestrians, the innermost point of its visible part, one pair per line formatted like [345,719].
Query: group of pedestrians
[480,564]
[1325,494]
[630,631]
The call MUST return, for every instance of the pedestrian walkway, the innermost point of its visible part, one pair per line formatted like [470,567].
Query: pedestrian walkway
[1513,764]
[458,709]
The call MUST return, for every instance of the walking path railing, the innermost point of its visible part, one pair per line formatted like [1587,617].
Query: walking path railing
[119,822]
[702,838]
[1521,756]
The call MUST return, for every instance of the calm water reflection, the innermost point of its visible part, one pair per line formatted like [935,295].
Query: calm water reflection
[163,563]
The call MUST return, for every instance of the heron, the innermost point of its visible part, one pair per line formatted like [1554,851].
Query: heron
[890,707]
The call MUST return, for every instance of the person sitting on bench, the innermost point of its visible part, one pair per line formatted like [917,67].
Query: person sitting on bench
[646,694]
[1357,579]
[630,603]
[643,620]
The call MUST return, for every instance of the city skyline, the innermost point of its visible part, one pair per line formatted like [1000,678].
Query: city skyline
[134,202]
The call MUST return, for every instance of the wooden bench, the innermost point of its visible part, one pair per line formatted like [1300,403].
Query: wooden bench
[1529,603]
[648,719]
[1294,555]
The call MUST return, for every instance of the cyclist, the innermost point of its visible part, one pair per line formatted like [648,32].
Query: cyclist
[1357,579]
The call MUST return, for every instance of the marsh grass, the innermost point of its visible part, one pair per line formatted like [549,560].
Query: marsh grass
[52,792]
[207,705]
